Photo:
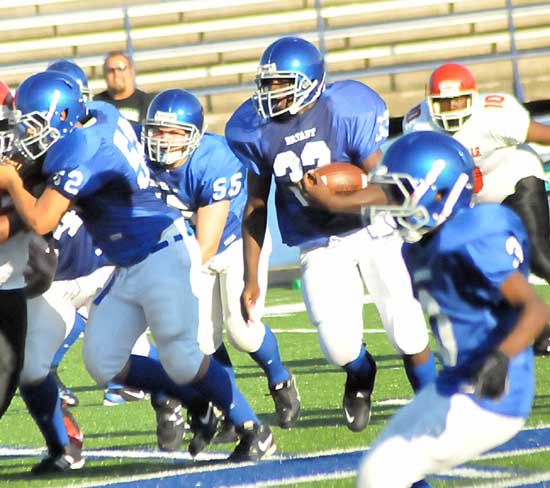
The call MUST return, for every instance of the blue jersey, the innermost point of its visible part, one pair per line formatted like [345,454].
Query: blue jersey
[211,174]
[101,166]
[77,254]
[457,274]
[348,122]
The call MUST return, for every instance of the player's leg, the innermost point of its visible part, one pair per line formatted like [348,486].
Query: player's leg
[72,334]
[117,394]
[333,294]
[164,285]
[530,202]
[13,329]
[432,434]
[256,338]
[48,316]
[210,337]
[209,374]
[388,281]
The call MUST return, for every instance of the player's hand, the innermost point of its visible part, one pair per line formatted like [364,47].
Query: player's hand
[8,173]
[317,194]
[41,267]
[249,296]
[491,379]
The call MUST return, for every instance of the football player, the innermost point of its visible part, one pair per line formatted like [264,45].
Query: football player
[14,255]
[92,157]
[495,128]
[292,124]
[81,272]
[197,173]
[469,266]
[114,393]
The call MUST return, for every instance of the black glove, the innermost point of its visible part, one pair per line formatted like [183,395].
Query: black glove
[491,379]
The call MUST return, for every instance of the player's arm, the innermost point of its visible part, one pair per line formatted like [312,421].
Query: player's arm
[538,132]
[491,379]
[320,196]
[254,225]
[211,221]
[534,313]
[40,214]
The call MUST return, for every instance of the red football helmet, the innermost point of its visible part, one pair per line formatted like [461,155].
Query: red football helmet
[451,81]
[6,125]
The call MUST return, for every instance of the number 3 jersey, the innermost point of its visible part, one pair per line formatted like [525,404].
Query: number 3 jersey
[211,174]
[347,123]
[101,166]
[457,274]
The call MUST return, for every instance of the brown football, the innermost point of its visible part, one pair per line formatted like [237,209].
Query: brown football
[341,177]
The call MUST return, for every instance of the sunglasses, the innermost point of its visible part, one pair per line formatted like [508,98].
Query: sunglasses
[111,69]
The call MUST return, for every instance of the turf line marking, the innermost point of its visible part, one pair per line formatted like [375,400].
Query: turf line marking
[337,475]
[312,330]
[522,481]
[332,465]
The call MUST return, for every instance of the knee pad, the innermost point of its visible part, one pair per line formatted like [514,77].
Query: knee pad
[181,360]
[339,348]
[245,337]
[409,333]
[33,372]
[96,366]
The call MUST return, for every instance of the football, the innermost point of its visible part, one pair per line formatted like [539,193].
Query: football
[341,177]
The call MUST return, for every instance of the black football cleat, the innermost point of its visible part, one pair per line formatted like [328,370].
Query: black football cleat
[356,403]
[287,402]
[256,443]
[204,423]
[170,424]
[227,434]
[70,459]
[541,346]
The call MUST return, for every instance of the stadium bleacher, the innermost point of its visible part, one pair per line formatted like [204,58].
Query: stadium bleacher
[212,46]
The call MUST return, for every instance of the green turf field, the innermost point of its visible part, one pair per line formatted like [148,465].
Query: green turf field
[122,444]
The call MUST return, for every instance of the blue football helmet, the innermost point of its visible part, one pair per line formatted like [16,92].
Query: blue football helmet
[48,106]
[172,109]
[295,64]
[427,176]
[72,69]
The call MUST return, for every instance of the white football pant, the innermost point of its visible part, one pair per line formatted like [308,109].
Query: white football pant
[334,278]
[219,301]
[51,317]
[430,435]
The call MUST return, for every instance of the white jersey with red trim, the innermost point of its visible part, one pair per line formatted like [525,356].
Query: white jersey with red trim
[14,253]
[497,126]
